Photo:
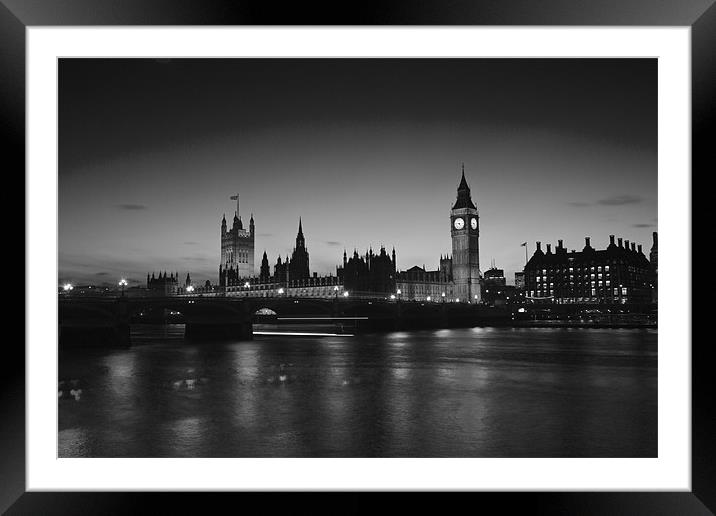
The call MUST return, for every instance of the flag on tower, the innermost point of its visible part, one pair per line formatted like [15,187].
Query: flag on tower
[523,244]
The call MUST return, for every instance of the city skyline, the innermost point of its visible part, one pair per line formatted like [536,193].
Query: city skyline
[365,152]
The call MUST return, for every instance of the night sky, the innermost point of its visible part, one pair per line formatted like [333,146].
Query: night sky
[366,151]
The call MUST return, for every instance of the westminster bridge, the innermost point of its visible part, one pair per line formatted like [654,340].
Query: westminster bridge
[86,320]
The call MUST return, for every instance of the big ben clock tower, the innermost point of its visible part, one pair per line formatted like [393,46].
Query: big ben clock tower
[465,232]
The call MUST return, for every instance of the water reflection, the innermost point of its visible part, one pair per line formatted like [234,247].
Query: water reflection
[472,392]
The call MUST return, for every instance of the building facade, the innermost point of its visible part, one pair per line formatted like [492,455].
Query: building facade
[619,274]
[291,276]
[654,260]
[369,275]
[458,279]
[417,284]
[237,249]
[163,285]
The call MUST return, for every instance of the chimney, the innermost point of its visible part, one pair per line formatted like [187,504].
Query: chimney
[549,248]
[559,244]
[626,244]
[539,246]
[654,234]
[611,239]
[639,248]
[620,242]
[633,246]
[586,242]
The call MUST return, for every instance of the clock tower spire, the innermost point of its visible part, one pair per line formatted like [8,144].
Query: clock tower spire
[465,233]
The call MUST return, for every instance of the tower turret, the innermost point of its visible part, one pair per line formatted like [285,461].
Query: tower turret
[265,272]
[465,232]
[298,267]
[464,199]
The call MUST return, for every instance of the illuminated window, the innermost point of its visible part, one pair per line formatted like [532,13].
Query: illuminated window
[624,291]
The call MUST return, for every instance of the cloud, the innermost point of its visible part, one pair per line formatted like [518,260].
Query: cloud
[642,225]
[620,200]
[191,243]
[102,274]
[131,206]
[333,243]
[617,200]
[264,234]
[195,258]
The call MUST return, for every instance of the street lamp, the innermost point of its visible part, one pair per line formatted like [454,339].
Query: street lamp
[443,297]
[190,289]
[428,298]
[123,283]
[67,287]
[345,294]
[280,291]
[392,297]
[335,289]
[247,284]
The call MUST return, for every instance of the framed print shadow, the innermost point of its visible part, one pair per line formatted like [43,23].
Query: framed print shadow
[411,250]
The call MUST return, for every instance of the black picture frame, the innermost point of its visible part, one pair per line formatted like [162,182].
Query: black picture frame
[16,15]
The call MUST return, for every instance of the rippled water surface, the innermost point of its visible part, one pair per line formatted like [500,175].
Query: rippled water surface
[481,392]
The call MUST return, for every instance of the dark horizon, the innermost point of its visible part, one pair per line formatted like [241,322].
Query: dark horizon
[365,151]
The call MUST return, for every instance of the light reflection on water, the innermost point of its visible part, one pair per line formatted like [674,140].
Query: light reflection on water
[481,392]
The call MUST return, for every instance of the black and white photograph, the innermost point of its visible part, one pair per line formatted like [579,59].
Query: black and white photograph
[394,257]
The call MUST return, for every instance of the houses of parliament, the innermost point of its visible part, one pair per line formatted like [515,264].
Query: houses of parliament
[372,274]
[620,274]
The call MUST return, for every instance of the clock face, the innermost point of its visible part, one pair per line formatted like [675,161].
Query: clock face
[459,223]
[473,223]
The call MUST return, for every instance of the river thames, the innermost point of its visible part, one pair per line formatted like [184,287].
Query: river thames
[479,392]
